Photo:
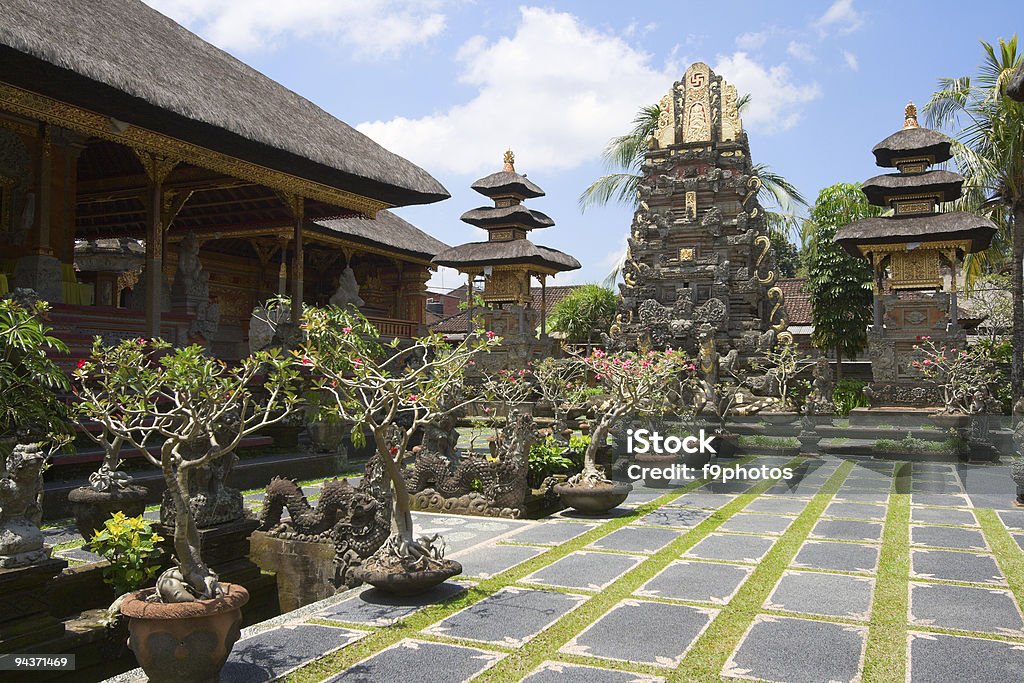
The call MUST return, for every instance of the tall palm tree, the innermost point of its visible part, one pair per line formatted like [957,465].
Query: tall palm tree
[990,155]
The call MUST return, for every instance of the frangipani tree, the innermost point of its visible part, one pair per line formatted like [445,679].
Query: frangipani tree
[392,391]
[562,382]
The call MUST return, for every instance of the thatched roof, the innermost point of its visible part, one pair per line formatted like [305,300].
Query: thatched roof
[945,183]
[498,216]
[1015,88]
[125,60]
[912,142]
[457,323]
[955,225]
[504,183]
[387,230]
[504,253]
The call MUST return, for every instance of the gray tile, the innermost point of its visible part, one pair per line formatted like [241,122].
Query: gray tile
[658,633]
[849,510]
[797,492]
[1020,540]
[696,581]
[732,547]
[63,533]
[635,539]
[512,616]
[931,467]
[703,499]
[953,565]
[407,660]
[862,496]
[678,518]
[939,499]
[939,657]
[879,484]
[1012,519]
[947,537]
[582,569]
[271,654]
[988,610]
[836,595]
[777,506]
[740,486]
[847,530]
[844,557]
[798,651]
[490,560]
[376,608]
[614,513]
[464,532]
[560,672]
[550,533]
[771,525]
[943,516]
[78,555]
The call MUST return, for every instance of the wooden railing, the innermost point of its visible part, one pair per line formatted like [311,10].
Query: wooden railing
[392,327]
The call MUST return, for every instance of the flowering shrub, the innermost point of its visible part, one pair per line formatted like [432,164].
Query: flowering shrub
[129,544]
[563,384]
[958,372]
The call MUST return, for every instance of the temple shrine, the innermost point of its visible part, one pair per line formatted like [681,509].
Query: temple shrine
[916,253]
[700,270]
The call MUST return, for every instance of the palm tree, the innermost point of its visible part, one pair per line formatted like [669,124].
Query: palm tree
[989,152]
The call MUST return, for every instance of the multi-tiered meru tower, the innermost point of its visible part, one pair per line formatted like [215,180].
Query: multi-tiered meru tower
[700,269]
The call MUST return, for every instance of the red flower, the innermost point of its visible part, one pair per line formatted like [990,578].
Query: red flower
[81,364]
[394,450]
[491,335]
[414,397]
[306,360]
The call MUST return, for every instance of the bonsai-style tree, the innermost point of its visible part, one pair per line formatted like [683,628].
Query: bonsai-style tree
[782,363]
[196,409]
[959,372]
[391,391]
[562,382]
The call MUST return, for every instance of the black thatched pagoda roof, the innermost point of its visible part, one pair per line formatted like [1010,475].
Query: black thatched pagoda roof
[388,230]
[498,216]
[955,225]
[945,183]
[507,183]
[912,142]
[475,254]
[125,60]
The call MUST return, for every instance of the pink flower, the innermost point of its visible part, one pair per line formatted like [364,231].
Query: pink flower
[414,397]
[491,335]
[927,362]
[346,330]
[357,361]
[141,340]
[306,360]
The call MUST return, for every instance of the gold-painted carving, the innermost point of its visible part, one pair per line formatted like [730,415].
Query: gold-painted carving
[691,205]
[919,206]
[686,254]
[915,269]
[732,127]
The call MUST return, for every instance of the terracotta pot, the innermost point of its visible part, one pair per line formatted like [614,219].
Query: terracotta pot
[593,500]
[92,508]
[408,583]
[184,642]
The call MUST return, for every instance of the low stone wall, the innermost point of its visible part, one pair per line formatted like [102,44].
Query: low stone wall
[305,571]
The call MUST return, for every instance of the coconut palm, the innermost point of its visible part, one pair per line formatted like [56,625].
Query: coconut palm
[989,153]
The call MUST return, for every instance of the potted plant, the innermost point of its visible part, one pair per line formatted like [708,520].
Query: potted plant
[959,373]
[195,410]
[781,363]
[562,383]
[636,385]
[393,392]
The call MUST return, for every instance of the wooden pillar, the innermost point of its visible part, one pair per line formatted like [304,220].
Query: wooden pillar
[877,298]
[282,271]
[45,192]
[298,272]
[157,168]
[543,306]
[469,304]
[954,314]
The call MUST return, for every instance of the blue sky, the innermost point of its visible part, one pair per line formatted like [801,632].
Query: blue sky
[452,84]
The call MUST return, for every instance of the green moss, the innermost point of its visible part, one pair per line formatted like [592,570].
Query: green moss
[762,441]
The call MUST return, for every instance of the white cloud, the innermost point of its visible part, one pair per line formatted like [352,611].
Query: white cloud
[801,51]
[751,40]
[851,60]
[776,100]
[371,28]
[842,16]
[555,91]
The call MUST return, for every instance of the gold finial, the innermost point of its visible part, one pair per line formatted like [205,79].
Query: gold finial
[510,160]
[910,116]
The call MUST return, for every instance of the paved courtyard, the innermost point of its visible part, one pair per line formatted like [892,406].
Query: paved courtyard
[853,570]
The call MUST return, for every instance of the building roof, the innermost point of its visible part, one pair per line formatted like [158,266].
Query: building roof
[125,60]
[945,183]
[955,225]
[457,323]
[497,253]
[798,301]
[500,216]
[504,183]
[387,230]
[912,142]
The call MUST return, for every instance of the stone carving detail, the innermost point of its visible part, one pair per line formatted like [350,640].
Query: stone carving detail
[356,520]
[732,127]
[21,494]
[819,400]
[191,289]
[666,131]
[212,501]
[348,290]
[697,112]
[17,206]
[476,485]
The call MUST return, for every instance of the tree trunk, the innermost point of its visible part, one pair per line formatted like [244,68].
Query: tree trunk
[401,517]
[839,363]
[1017,365]
[186,539]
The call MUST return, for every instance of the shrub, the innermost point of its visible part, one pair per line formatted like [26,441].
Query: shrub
[547,457]
[849,394]
[129,544]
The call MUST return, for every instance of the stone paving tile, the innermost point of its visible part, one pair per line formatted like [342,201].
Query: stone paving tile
[771,525]
[836,595]
[702,499]
[570,514]
[550,533]
[947,537]
[939,499]
[512,616]
[932,467]
[56,535]
[271,654]
[560,672]
[938,657]
[640,631]
[798,651]
[487,561]
[868,485]
[1020,540]
[936,478]
[1012,519]
[697,581]
[965,608]
[787,491]
[407,660]
[645,540]
[943,516]
[954,565]
[677,518]
[850,510]
[464,532]
[731,547]
[584,569]
[376,608]
[844,557]
[737,486]
[79,555]
[777,505]
[935,487]
[862,496]
[847,530]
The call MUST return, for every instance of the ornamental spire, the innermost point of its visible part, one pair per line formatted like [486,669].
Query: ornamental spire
[510,160]
[910,116]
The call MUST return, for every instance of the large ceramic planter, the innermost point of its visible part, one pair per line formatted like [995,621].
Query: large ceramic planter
[408,583]
[593,500]
[92,508]
[1017,472]
[656,462]
[184,642]
[950,420]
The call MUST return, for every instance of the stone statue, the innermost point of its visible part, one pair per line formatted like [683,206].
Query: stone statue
[211,500]
[21,492]
[348,290]
[190,280]
[819,400]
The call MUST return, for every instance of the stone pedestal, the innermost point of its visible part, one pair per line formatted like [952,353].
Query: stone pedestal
[25,618]
[305,571]
[225,549]
[42,273]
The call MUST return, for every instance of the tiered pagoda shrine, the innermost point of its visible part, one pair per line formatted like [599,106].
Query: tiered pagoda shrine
[507,261]
[700,270]
[916,253]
